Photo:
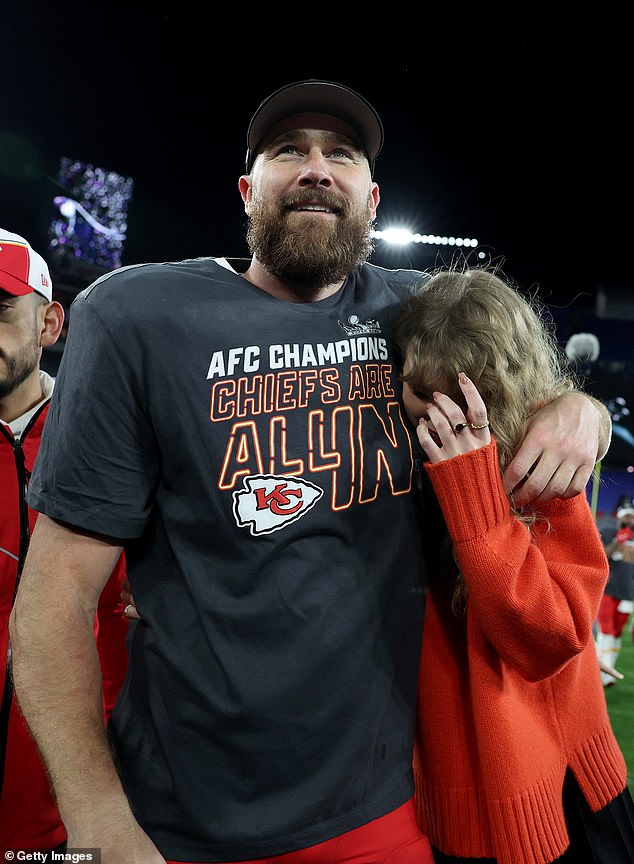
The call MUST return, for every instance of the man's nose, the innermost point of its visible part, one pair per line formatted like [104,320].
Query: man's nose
[315,170]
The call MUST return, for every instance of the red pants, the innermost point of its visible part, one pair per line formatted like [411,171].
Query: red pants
[393,839]
[611,621]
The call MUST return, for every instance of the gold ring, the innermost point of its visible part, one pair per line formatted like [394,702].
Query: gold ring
[479,425]
[459,427]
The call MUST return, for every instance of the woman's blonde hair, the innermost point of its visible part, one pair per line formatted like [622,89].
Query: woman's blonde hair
[477,322]
[474,321]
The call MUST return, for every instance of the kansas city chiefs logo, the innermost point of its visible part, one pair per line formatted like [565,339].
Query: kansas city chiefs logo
[268,503]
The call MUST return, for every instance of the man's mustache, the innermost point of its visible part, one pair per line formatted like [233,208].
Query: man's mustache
[321,197]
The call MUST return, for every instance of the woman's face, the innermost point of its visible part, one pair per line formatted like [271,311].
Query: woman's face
[415,407]
[414,400]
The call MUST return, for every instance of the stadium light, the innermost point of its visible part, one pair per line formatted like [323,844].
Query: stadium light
[401,237]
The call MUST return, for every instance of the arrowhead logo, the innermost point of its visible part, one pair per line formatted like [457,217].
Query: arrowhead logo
[268,503]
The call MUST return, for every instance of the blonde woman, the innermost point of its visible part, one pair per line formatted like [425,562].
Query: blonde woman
[515,760]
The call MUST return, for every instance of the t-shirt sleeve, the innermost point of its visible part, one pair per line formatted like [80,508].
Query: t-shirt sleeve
[97,463]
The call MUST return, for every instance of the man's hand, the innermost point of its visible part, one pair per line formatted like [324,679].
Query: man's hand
[557,456]
[109,825]
[130,610]
[610,670]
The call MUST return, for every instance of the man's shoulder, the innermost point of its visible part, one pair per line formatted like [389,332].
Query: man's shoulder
[393,276]
[399,282]
[153,278]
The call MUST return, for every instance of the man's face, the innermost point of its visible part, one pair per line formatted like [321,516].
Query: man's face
[311,203]
[627,520]
[19,340]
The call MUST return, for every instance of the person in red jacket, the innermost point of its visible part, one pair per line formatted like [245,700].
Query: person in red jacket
[515,759]
[616,603]
[31,320]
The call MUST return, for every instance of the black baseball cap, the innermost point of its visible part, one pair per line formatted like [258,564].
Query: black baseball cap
[321,97]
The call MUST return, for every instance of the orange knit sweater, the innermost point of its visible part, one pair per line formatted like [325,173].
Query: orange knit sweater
[510,695]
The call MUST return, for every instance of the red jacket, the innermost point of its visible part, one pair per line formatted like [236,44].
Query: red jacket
[28,816]
[510,695]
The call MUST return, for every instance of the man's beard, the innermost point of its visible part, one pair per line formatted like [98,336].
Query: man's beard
[18,367]
[316,252]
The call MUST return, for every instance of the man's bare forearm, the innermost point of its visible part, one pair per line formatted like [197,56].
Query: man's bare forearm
[58,681]
[62,704]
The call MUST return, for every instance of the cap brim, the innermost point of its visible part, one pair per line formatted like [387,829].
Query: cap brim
[317,97]
[12,285]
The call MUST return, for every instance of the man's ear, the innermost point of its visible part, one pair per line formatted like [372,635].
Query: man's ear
[52,322]
[244,185]
[375,197]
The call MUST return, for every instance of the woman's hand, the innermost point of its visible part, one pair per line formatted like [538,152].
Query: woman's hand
[447,432]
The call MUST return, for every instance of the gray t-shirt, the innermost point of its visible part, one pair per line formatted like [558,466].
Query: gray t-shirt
[255,457]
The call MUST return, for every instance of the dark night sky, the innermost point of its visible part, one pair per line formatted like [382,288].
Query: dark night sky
[516,138]
[516,133]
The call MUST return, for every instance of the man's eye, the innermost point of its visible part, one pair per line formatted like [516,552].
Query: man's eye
[340,152]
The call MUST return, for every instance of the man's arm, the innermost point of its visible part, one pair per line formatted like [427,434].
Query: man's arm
[58,685]
[605,427]
[563,442]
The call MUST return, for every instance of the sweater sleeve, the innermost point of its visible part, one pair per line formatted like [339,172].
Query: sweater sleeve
[534,594]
